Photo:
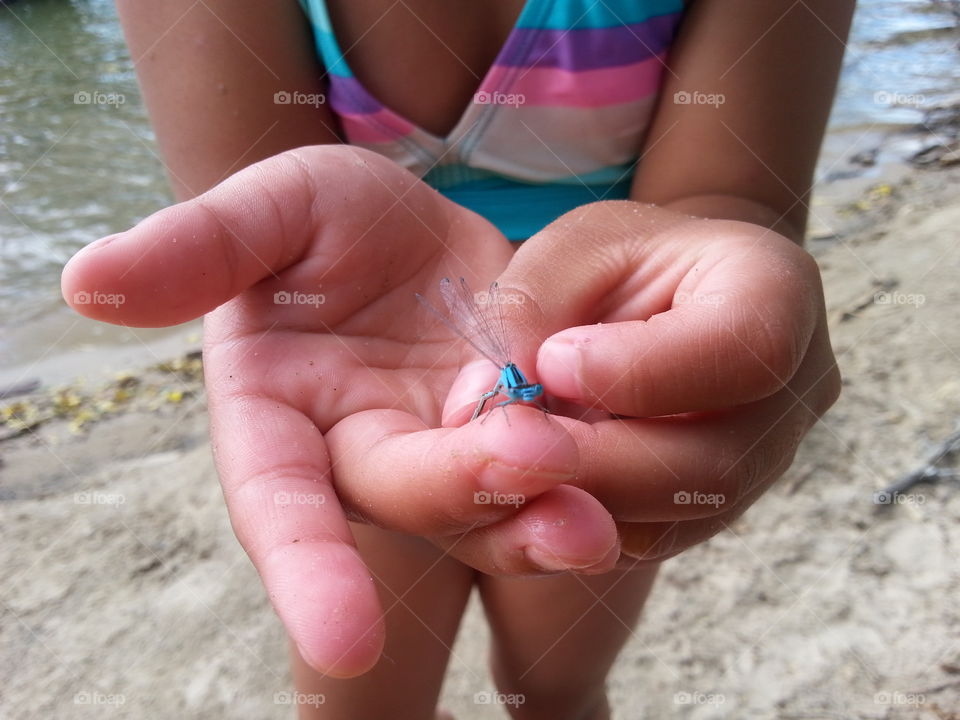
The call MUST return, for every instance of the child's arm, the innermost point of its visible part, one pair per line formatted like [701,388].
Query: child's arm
[751,158]
[720,325]
[209,72]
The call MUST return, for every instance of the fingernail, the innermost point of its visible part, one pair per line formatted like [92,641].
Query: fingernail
[551,562]
[474,379]
[102,242]
[608,562]
[91,248]
[561,358]
[544,560]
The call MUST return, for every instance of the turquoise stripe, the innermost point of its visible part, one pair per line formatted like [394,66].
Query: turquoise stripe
[333,60]
[568,15]
[446,176]
[326,42]
[520,210]
[443,177]
[317,12]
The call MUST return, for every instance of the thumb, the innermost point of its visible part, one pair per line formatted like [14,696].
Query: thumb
[185,260]
[573,273]
[648,312]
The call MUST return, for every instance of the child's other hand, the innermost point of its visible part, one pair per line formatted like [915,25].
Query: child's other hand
[324,375]
[707,339]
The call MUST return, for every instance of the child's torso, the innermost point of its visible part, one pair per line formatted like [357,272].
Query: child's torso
[517,109]
[423,58]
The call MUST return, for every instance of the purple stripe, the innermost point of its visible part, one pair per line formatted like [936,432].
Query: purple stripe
[589,48]
[349,97]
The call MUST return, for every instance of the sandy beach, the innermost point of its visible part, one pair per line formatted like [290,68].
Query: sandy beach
[125,593]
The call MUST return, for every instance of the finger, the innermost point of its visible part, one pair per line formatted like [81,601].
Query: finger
[658,541]
[185,260]
[701,465]
[474,380]
[393,472]
[650,471]
[696,315]
[505,472]
[565,529]
[809,395]
[276,480]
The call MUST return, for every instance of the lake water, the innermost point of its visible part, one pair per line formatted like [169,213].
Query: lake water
[75,165]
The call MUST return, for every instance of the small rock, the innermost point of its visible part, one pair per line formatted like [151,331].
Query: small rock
[866,158]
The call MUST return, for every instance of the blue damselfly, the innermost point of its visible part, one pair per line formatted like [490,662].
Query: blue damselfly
[481,324]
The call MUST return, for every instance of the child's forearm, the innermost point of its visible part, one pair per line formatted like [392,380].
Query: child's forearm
[730,207]
[743,109]
[209,73]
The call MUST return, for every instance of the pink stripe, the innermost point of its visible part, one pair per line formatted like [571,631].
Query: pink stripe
[564,88]
[382,126]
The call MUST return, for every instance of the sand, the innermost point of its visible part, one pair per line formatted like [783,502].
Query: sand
[125,593]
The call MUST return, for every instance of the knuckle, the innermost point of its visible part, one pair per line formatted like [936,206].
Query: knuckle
[759,456]
[737,470]
[772,355]
[222,238]
[633,391]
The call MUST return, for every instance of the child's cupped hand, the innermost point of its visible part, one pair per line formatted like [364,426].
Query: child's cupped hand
[325,376]
[697,350]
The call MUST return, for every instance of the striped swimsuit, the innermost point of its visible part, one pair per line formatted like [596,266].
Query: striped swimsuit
[557,121]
